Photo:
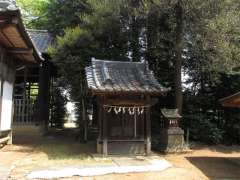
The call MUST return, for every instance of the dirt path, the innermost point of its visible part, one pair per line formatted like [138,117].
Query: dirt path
[214,162]
[36,153]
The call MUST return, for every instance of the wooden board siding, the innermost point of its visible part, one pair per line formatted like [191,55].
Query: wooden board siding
[13,41]
[125,126]
[131,148]
[122,132]
[5,41]
[14,36]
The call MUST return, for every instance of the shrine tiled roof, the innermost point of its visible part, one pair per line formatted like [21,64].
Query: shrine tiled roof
[41,38]
[170,113]
[8,5]
[122,77]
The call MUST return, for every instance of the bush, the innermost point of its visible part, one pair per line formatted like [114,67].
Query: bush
[202,128]
[58,109]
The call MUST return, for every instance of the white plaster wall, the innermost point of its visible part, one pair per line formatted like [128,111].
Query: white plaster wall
[7,105]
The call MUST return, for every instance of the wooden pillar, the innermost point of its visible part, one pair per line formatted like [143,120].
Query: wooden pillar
[99,106]
[148,127]
[1,95]
[95,112]
[9,142]
[10,134]
[99,124]
[23,113]
[51,101]
[105,125]
[1,84]
[44,86]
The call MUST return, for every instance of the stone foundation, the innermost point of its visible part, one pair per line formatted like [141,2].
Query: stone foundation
[171,140]
[124,147]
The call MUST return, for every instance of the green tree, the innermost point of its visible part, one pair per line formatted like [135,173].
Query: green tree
[198,38]
[58,108]
[34,12]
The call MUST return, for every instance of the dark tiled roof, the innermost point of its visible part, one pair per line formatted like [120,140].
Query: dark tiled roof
[122,77]
[170,113]
[8,5]
[41,38]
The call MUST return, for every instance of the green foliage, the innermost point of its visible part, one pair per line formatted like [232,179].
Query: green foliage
[62,14]
[204,116]
[203,128]
[72,54]
[213,37]
[58,109]
[34,12]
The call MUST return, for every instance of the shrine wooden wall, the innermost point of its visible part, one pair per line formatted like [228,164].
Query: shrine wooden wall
[7,76]
[124,125]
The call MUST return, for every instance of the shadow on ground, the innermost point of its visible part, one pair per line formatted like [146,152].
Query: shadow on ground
[218,167]
[59,144]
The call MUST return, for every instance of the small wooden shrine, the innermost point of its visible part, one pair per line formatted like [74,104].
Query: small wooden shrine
[171,118]
[171,135]
[123,92]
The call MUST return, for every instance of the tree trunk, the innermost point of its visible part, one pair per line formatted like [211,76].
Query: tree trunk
[178,61]
[44,85]
[135,46]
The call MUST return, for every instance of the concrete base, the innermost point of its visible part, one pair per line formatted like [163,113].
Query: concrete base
[171,140]
[99,147]
[6,137]
[10,138]
[124,147]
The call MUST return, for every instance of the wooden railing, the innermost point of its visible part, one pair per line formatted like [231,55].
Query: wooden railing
[23,112]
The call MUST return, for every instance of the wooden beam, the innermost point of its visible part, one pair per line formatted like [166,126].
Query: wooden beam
[1,86]
[1,95]
[105,128]
[232,105]
[97,92]
[9,21]
[19,51]
[126,102]
[6,38]
[99,118]
[31,75]
[148,127]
